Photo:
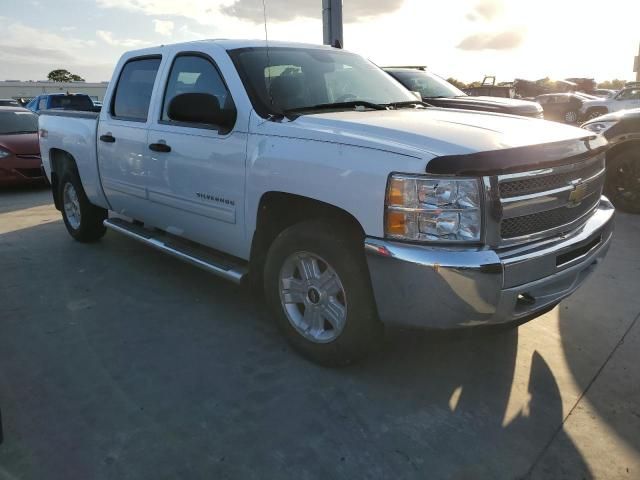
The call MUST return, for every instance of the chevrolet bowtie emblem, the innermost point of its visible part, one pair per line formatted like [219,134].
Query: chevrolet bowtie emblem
[577,194]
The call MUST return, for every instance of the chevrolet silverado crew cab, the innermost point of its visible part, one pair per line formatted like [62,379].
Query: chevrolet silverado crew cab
[311,172]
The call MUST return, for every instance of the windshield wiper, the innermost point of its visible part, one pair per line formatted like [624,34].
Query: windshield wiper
[337,106]
[410,103]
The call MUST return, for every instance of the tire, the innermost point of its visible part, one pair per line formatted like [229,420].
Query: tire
[308,311]
[595,113]
[82,219]
[570,117]
[622,184]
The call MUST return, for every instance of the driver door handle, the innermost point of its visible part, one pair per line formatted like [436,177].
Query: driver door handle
[108,138]
[160,147]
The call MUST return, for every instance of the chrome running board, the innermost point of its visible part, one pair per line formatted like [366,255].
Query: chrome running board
[197,255]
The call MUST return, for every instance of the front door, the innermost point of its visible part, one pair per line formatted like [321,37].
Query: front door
[197,171]
[122,138]
[626,99]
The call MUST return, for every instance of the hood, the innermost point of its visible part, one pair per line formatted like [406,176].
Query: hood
[497,104]
[21,143]
[430,132]
[633,113]
[595,103]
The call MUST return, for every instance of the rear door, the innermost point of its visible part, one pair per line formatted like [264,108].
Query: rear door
[122,137]
[196,185]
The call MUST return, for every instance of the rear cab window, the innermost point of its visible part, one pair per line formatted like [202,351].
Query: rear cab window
[72,102]
[134,89]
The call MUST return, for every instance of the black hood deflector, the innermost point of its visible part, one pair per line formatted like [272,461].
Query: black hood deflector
[519,159]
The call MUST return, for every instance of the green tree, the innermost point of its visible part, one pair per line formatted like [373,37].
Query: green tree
[457,83]
[62,75]
[615,84]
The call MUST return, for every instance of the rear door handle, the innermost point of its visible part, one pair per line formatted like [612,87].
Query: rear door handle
[160,147]
[107,138]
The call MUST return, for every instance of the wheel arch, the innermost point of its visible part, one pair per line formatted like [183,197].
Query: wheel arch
[60,160]
[621,147]
[280,210]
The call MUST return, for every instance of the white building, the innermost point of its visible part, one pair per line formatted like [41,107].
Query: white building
[17,89]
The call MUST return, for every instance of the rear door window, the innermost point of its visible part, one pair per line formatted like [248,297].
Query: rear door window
[134,89]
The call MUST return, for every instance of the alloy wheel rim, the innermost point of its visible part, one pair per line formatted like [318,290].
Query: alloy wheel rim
[571,117]
[313,297]
[71,206]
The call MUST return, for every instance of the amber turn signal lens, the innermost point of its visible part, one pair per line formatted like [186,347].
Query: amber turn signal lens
[396,192]
[396,223]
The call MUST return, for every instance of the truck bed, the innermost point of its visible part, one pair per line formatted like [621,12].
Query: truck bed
[76,131]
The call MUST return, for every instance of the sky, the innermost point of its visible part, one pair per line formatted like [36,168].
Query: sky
[465,39]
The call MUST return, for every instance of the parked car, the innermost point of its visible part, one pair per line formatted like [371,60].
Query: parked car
[62,101]
[627,98]
[9,102]
[562,107]
[438,92]
[622,130]
[19,150]
[312,174]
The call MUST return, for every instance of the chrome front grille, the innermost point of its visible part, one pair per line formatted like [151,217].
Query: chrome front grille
[541,203]
[547,220]
[542,183]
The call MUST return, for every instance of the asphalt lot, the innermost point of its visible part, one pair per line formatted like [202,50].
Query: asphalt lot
[117,362]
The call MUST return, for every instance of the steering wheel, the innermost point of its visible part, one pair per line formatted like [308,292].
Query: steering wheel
[346,97]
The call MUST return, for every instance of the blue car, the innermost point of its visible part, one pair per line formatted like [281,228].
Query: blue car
[62,101]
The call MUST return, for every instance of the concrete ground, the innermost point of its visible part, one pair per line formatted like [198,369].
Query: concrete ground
[117,362]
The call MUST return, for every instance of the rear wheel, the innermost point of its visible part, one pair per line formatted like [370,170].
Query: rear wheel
[317,285]
[84,221]
[623,180]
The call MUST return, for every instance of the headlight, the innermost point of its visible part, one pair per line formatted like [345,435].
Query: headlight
[433,209]
[599,127]
[4,153]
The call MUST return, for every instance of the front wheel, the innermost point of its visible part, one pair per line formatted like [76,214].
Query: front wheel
[84,221]
[622,184]
[595,113]
[317,285]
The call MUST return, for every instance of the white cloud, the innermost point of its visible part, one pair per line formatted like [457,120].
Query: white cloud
[30,53]
[163,27]
[203,11]
[107,37]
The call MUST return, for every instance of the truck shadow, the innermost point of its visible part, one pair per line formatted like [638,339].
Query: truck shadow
[594,337]
[135,365]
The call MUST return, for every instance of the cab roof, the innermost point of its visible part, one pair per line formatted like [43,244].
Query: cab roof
[229,44]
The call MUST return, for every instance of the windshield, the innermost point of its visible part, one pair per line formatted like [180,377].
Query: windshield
[71,102]
[18,122]
[285,79]
[428,84]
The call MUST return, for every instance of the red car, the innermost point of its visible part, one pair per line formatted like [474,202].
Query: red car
[20,161]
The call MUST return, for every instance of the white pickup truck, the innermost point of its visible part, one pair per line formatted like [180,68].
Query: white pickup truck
[314,174]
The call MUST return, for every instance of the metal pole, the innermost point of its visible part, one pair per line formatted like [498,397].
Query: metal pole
[638,66]
[332,23]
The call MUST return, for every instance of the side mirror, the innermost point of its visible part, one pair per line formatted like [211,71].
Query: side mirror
[201,108]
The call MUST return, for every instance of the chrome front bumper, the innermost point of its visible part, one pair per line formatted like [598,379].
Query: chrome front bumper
[445,287]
